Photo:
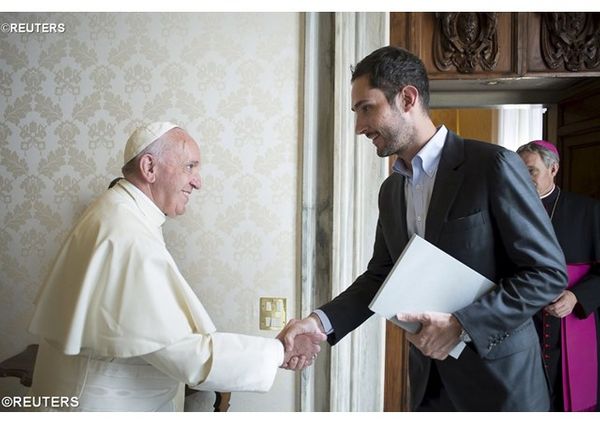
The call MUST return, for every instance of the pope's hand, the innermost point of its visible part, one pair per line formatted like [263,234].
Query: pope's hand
[301,339]
[304,353]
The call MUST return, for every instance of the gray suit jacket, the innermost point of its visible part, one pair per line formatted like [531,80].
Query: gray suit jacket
[484,211]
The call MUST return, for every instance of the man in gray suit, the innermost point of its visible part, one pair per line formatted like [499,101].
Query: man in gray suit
[474,201]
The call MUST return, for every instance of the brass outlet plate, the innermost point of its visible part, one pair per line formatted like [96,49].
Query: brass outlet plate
[273,313]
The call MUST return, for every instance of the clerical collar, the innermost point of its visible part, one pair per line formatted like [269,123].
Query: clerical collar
[549,200]
[550,192]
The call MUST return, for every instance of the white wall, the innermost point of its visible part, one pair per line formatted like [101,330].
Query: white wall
[70,100]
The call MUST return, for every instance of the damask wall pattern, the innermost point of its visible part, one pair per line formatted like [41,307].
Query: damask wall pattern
[68,103]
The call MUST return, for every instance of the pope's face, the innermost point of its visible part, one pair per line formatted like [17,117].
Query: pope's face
[177,173]
[386,125]
[542,176]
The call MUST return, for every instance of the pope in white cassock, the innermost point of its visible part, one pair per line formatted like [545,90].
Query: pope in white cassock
[119,326]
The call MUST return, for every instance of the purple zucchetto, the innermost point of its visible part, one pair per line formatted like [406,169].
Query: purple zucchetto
[546,145]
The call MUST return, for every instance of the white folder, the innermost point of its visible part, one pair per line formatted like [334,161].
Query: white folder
[426,279]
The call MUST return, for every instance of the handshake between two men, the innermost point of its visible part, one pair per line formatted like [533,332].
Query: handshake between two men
[439,333]
[301,339]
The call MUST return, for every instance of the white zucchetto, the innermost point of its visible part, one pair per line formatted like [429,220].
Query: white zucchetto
[143,137]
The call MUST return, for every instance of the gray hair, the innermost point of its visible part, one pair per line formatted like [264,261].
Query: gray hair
[547,155]
[156,149]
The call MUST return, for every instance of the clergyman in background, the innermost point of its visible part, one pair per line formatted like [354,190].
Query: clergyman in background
[568,327]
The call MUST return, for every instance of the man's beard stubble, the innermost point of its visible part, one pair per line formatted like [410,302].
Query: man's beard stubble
[398,139]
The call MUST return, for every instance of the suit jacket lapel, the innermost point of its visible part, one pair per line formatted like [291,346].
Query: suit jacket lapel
[448,180]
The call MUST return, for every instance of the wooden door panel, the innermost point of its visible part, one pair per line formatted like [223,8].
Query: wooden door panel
[581,163]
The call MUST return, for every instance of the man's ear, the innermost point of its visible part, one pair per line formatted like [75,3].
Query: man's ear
[147,168]
[554,169]
[407,97]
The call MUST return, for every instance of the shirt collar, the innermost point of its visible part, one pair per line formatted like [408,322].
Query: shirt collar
[550,192]
[145,204]
[429,155]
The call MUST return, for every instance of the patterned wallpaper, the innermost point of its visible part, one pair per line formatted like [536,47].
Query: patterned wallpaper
[70,99]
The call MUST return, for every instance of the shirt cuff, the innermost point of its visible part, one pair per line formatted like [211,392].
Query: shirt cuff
[327,328]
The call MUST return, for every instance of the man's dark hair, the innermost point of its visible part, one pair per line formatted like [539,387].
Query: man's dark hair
[391,68]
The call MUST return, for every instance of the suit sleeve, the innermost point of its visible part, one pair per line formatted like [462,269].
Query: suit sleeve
[350,309]
[532,263]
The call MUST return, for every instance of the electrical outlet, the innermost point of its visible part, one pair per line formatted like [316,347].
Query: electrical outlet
[273,313]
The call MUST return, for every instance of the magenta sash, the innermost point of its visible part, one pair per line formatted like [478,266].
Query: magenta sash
[579,354]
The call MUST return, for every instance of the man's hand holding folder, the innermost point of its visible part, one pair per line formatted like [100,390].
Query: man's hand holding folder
[423,289]
[438,335]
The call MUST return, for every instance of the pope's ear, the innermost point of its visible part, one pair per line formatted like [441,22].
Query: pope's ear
[147,167]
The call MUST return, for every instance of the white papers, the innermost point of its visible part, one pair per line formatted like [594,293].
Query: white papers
[426,279]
